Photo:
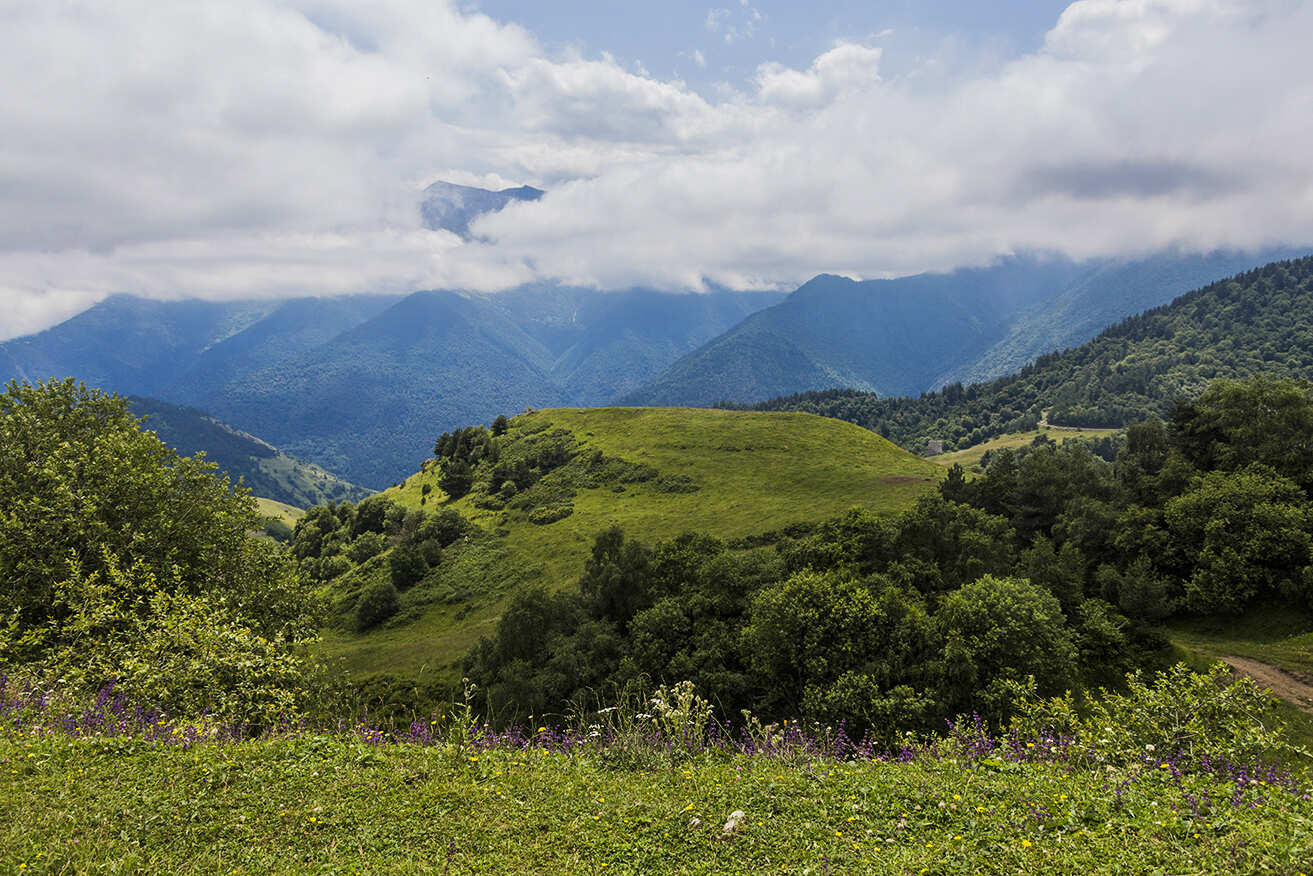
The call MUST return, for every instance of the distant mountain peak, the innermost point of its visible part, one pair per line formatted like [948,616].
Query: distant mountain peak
[451,207]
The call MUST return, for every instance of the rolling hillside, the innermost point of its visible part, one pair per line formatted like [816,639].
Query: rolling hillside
[912,334]
[1258,322]
[661,472]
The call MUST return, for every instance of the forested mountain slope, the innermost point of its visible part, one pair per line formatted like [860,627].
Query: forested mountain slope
[1260,321]
[361,384]
[267,471]
[913,334]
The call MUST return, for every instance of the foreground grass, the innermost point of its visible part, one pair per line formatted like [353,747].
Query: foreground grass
[332,805]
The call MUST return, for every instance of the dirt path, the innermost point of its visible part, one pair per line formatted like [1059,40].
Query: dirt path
[1294,687]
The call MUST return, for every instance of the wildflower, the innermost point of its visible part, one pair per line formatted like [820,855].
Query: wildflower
[1025,844]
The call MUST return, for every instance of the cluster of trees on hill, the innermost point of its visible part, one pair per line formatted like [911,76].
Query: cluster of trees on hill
[331,540]
[537,469]
[1205,513]
[1053,565]
[1257,322]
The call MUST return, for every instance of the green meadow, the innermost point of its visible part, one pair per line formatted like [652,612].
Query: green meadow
[331,805]
[754,473]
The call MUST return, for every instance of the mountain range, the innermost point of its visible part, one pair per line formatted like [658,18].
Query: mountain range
[905,336]
[362,385]
[1259,322]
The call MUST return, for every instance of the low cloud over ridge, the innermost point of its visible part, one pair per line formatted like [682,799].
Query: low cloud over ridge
[275,148]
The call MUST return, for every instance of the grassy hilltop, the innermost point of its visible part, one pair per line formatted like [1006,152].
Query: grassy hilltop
[731,474]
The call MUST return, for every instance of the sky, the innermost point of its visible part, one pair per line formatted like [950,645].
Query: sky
[255,148]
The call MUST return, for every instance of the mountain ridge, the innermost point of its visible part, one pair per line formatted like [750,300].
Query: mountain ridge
[913,334]
[1256,322]
[292,371]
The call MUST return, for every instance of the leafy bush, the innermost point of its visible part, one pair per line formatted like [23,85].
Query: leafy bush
[550,513]
[188,654]
[123,562]
[1177,714]
[997,631]
[406,566]
[366,545]
[378,603]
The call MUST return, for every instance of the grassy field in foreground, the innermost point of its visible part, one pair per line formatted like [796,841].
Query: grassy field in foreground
[970,456]
[325,805]
[755,472]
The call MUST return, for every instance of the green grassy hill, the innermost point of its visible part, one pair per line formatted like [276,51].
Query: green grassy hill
[731,474]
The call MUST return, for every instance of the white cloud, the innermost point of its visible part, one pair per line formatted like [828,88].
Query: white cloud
[263,147]
[844,68]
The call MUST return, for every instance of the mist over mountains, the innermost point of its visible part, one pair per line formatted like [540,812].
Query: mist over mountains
[361,385]
[451,207]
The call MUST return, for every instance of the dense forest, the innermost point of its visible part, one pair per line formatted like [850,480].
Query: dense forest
[1050,569]
[1259,322]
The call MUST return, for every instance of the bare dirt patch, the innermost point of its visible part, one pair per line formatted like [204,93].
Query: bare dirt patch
[1294,687]
[903,479]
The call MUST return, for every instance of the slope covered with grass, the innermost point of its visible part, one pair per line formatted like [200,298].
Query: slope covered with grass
[103,787]
[662,472]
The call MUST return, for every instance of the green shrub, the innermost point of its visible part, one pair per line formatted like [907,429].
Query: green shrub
[431,551]
[122,561]
[378,603]
[406,566]
[1177,713]
[188,654]
[550,514]
[367,545]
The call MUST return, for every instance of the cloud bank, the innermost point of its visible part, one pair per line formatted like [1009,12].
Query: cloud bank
[277,147]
